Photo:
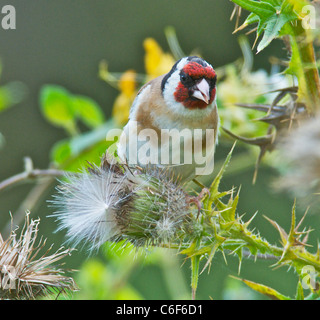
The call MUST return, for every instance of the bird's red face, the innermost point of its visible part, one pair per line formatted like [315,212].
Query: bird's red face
[197,86]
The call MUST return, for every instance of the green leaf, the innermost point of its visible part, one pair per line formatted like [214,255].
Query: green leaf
[195,264]
[214,193]
[61,151]
[262,9]
[299,293]
[64,109]
[275,3]
[230,213]
[275,24]
[252,18]
[272,16]
[72,153]
[272,30]
[265,290]
[88,111]
[11,94]
[57,107]
[77,162]
[211,255]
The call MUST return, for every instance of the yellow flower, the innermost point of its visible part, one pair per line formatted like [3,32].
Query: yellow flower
[127,83]
[122,104]
[156,61]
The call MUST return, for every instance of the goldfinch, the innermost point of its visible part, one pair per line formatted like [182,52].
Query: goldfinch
[173,121]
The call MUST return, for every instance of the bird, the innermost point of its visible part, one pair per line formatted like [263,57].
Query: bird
[168,124]
[174,120]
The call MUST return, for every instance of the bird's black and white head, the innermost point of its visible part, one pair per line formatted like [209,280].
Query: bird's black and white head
[190,86]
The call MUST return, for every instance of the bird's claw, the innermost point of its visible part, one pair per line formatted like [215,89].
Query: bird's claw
[198,199]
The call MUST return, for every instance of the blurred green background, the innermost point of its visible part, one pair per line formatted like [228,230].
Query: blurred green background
[62,42]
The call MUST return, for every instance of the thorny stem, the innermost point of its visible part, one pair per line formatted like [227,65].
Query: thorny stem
[255,241]
[306,68]
[295,255]
[195,262]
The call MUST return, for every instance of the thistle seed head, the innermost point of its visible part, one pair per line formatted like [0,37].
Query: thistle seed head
[157,210]
[114,202]
[87,203]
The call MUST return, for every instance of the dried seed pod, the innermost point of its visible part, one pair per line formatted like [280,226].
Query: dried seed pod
[25,276]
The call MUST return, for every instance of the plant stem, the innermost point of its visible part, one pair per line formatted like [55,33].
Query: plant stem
[305,67]
[295,255]
[35,173]
[195,263]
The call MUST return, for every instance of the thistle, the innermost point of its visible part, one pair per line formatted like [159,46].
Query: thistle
[22,274]
[157,210]
[114,202]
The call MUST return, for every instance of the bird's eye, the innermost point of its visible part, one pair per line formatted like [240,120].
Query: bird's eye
[184,78]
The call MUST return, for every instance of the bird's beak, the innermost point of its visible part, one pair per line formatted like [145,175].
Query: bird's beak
[202,91]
